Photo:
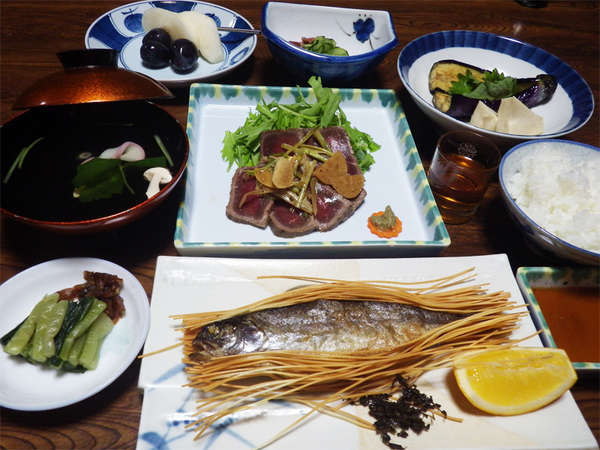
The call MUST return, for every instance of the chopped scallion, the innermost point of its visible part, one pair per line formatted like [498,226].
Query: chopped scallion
[163,149]
[18,162]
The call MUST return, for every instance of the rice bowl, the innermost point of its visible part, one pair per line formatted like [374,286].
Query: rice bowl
[550,188]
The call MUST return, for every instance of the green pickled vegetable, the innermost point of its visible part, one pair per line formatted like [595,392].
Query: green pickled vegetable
[42,343]
[93,341]
[76,310]
[325,46]
[53,327]
[18,343]
[81,327]
[8,336]
[73,358]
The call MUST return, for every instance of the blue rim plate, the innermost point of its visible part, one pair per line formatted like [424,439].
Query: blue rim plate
[121,29]
[498,49]
[530,277]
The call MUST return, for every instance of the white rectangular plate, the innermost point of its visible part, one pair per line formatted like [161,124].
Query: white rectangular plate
[185,285]
[397,179]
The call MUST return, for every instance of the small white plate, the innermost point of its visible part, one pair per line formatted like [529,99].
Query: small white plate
[51,388]
[121,29]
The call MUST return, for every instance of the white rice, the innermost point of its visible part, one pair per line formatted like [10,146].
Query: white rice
[558,187]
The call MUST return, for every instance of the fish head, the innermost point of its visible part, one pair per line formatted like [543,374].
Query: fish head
[228,337]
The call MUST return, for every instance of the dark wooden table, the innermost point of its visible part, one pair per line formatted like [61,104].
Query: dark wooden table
[32,32]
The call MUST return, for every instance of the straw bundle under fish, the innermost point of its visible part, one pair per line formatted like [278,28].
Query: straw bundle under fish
[327,381]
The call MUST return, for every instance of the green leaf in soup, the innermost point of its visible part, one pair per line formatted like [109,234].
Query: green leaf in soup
[112,184]
[94,171]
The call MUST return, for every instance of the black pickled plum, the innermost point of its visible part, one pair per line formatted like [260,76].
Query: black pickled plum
[155,55]
[158,34]
[184,55]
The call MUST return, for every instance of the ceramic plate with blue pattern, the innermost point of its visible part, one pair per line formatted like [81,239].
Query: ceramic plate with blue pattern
[396,179]
[185,285]
[121,29]
[570,107]
[586,314]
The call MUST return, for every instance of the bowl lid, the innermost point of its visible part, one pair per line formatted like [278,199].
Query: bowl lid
[90,76]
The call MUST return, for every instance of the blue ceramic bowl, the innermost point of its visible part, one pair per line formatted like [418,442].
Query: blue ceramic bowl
[544,236]
[569,109]
[367,35]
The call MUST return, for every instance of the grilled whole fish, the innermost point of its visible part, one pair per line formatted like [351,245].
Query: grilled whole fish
[321,325]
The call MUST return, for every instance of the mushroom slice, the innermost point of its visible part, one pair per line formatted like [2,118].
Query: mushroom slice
[156,176]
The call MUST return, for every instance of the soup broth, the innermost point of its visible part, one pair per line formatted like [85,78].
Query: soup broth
[573,315]
[42,188]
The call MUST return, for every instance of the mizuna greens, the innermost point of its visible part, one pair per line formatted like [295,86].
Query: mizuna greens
[242,146]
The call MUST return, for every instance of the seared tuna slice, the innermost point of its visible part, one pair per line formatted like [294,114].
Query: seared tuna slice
[338,141]
[270,141]
[333,208]
[255,209]
[287,221]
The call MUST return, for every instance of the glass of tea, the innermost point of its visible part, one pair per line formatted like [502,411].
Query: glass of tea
[462,165]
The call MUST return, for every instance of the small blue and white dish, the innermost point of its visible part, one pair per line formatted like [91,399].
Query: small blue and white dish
[570,107]
[367,35]
[583,315]
[550,188]
[121,29]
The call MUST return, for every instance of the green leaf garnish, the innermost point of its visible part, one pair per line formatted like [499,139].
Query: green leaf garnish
[495,86]
[102,178]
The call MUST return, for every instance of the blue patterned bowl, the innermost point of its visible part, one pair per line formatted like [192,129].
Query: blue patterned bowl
[569,109]
[367,35]
[121,29]
[542,236]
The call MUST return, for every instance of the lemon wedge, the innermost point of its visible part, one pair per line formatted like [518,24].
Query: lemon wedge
[514,380]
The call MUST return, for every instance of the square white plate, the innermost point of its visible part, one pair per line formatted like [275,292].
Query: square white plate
[185,285]
[396,178]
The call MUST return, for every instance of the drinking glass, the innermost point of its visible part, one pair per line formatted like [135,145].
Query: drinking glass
[462,166]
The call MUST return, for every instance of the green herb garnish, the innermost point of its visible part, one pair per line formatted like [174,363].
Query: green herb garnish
[325,46]
[163,149]
[242,146]
[103,178]
[18,162]
[495,86]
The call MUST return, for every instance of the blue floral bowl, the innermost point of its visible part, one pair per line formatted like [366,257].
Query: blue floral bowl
[367,36]
[569,109]
[549,187]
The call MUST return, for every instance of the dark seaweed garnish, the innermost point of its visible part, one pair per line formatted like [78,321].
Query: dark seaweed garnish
[399,416]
